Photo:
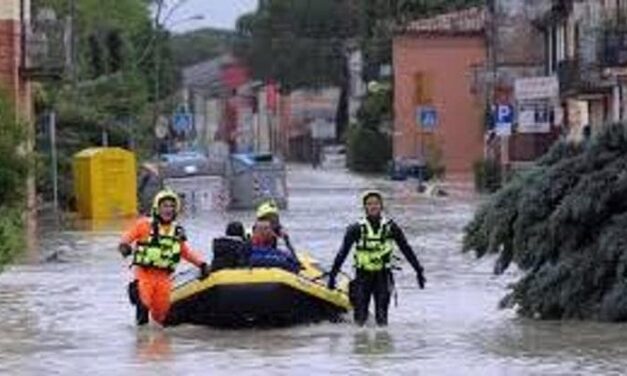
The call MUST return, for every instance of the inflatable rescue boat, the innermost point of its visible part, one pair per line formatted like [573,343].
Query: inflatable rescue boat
[258,296]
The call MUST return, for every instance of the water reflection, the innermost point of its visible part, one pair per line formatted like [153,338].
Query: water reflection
[373,342]
[153,345]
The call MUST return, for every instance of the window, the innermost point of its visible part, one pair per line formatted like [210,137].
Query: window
[423,88]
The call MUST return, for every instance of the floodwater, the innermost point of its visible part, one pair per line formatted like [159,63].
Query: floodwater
[69,315]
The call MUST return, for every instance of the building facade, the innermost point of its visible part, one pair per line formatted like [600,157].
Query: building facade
[434,64]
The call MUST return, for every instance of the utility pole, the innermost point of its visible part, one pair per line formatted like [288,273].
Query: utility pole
[73,49]
[156,53]
[52,122]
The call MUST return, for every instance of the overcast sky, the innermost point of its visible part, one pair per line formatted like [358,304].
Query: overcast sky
[216,13]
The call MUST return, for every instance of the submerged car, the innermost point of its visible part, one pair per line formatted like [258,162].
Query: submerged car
[333,156]
[187,163]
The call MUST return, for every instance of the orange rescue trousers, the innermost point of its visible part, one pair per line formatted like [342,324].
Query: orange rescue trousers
[154,291]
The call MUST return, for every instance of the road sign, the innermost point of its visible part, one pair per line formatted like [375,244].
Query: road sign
[182,122]
[427,117]
[322,129]
[504,114]
[161,128]
[532,88]
[534,119]
[504,118]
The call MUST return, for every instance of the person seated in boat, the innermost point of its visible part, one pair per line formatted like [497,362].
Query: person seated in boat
[263,250]
[268,212]
[267,230]
[263,235]
[235,229]
[231,250]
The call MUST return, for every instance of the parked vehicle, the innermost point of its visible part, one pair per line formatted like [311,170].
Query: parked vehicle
[188,163]
[333,156]
[403,168]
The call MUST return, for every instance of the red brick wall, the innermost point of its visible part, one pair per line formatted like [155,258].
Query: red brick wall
[10,81]
[284,130]
[448,61]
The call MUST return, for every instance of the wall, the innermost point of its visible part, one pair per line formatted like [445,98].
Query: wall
[448,63]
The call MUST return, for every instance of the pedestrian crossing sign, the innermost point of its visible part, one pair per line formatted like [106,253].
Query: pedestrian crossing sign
[427,117]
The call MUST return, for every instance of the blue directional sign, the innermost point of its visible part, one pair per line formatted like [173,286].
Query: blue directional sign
[182,122]
[427,117]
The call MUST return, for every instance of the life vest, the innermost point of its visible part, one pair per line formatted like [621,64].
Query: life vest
[162,250]
[373,251]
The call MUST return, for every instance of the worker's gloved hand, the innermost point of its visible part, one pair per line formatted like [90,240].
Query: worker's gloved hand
[420,277]
[179,233]
[205,270]
[125,250]
[281,233]
[331,282]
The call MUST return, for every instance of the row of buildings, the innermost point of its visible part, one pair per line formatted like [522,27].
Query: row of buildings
[506,80]
[234,113]
[502,81]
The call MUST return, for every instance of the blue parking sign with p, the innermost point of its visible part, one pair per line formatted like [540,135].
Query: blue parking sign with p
[505,114]
[504,119]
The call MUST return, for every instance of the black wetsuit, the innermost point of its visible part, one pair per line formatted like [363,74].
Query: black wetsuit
[376,284]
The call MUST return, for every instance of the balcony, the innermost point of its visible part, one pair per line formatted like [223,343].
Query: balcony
[46,49]
[614,48]
[577,78]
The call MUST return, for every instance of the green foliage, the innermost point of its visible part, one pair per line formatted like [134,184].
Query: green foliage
[369,147]
[122,60]
[368,150]
[13,164]
[301,42]
[199,45]
[298,43]
[11,234]
[13,172]
[487,173]
[565,224]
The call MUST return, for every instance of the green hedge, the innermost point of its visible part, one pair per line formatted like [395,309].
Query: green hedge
[487,174]
[11,234]
[13,172]
[368,150]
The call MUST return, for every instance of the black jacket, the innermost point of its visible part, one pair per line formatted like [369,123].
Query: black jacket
[353,234]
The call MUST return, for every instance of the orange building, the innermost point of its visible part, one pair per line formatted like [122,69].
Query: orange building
[435,62]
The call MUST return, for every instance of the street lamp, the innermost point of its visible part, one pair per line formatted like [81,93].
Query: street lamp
[157,55]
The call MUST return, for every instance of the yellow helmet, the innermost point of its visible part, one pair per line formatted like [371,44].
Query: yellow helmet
[267,208]
[371,193]
[166,194]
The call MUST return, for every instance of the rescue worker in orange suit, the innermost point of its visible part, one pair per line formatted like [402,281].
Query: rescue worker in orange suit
[157,243]
[374,237]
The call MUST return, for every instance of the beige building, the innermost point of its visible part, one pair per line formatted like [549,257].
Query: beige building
[587,50]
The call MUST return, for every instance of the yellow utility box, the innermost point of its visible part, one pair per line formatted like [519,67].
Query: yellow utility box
[105,183]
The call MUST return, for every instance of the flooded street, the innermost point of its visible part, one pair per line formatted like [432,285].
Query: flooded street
[71,315]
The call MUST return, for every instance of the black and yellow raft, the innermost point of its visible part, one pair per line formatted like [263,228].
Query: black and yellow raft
[259,297]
